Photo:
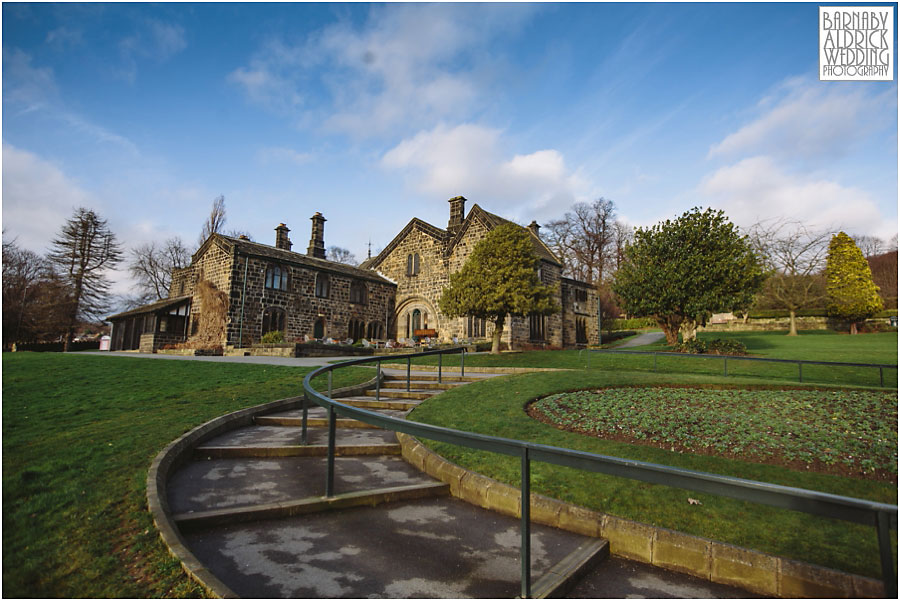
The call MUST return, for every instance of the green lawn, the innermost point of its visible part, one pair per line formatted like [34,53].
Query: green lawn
[79,433]
[496,407]
[817,345]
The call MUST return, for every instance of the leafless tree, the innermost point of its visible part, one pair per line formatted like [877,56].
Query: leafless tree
[215,221]
[82,252]
[585,239]
[871,246]
[151,265]
[795,256]
[341,255]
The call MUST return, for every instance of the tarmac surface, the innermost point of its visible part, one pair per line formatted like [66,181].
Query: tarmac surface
[432,546]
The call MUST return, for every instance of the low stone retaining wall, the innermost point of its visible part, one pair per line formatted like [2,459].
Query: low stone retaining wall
[717,562]
[453,369]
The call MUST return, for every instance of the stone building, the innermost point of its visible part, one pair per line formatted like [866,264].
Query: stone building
[421,258]
[235,290]
[250,289]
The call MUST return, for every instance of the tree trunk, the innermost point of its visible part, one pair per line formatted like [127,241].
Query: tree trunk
[688,330]
[793,330]
[498,332]
[670,330]
[853,329]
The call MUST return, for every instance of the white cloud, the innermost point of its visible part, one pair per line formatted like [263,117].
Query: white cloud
[283,155]
[25,86]
[808,120]
[37,198]
[756,189]
[409,65]
[155,40]
[468,160]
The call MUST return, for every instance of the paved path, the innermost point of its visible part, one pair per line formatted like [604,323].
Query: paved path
[642,339]
[287,361]
[423,543]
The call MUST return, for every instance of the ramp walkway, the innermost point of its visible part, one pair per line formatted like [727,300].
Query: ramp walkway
[245,509]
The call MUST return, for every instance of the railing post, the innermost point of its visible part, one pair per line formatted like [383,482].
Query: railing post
[462,363]
[378,382]
[726,366]
[329,476]
[408,364]
[329,383]
[882,521]
[304,403]
[526,525]
[800,370]
[654,361]
[440,360]
[881,375]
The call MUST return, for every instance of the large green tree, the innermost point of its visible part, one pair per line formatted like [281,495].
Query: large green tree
[852,295]
[682,271]
[499,278]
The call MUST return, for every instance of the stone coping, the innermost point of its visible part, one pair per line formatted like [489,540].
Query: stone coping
[707,559]
[182,450]
[452,369]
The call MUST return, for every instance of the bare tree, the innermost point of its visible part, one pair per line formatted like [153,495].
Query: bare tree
[215,221]
[871,246]
[341,255]
[584,239]
[151,265]
[31,296]
[82,252]
[795,256]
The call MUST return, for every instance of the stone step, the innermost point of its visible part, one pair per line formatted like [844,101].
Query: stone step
[414,385]
[234,452]
[397,394]
[311,422]
[371,403]
[427,377]
[562,577]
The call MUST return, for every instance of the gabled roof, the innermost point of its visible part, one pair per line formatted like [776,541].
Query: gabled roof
[256,249]
[153,307]
[414,223]
[492,221]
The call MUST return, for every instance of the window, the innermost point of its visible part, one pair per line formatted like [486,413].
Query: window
[475,327]
[276,277]
[580,295]
[322,285]
[536,327]
[412,264]
[580,330]
[273,320]
[358,293]
[374,331]
[356,329]
[416,321]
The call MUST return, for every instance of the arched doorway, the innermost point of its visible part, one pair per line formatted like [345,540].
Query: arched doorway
[319,328]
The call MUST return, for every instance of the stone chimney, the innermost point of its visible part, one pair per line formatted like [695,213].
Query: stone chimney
[457,214]
[281,237]
[317,240]
[535,228]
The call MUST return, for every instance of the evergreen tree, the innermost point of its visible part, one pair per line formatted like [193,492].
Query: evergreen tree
[498,279]
[852,295]
[680,272]
[82,252]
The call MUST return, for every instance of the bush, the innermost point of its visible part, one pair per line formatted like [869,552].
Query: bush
[273,337]
[617,335]
[726,347]
[694,346]
[635,323]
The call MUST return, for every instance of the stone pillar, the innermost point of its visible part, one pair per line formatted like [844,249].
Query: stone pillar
[457,214]
[281,237]
[317,240]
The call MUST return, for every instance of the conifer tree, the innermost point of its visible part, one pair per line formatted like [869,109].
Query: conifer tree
[498,279]
[852,295]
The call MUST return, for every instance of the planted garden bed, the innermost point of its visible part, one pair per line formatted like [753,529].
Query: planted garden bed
[845,432]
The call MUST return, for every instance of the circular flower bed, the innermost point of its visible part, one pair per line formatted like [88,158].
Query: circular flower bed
[846,432]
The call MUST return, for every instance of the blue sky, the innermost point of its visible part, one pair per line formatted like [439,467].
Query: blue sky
[373,114]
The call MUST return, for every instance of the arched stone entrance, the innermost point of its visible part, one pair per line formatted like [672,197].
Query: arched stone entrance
[415,314]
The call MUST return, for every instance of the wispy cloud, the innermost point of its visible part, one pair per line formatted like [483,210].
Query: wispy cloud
[469,160]
[283,155]
[154,40]
[408,66]
[804,119]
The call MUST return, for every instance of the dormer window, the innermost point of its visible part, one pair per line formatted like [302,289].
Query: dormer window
[276,278]
[412,264]
[323,285]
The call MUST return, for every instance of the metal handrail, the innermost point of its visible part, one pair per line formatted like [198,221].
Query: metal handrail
[799,362]
[882,516]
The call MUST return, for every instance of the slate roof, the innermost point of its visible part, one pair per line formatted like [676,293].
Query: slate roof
[288,256]
[152,307]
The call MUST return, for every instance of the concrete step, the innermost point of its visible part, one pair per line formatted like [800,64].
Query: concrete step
[415,385]
[398,394]
[428,377]
[233,452]
[317,422]
[371,403]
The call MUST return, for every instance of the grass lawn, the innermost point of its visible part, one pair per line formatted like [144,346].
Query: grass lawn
[79,433]
[815,345]
[497,407]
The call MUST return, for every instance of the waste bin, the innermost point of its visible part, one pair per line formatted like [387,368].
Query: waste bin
[893,321]
[104,343]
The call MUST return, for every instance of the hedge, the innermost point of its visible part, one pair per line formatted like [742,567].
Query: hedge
[57,347]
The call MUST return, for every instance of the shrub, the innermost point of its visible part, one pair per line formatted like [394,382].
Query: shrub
[726,347]
[635,323]
[694,346]
[273,337]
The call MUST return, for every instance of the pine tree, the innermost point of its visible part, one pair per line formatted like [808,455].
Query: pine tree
[852,295]
[498,279]
[82,252]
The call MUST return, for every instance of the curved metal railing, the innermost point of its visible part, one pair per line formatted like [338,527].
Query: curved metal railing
[882,516]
